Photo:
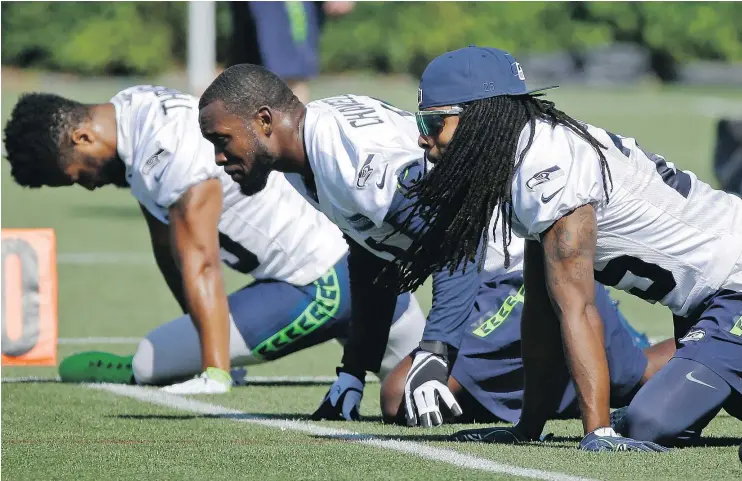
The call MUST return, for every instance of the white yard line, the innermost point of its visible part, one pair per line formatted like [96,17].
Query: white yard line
[441,455]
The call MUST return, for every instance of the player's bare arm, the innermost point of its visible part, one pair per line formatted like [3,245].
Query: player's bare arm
[159,234]
[569,250]
[195,237]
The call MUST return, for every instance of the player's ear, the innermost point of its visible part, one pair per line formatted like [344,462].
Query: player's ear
[82,136]
[265,119]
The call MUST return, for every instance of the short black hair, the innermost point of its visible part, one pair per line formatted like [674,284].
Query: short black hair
[37,134]
[244,87]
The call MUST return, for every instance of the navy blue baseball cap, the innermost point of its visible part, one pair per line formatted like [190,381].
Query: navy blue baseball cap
[471,73]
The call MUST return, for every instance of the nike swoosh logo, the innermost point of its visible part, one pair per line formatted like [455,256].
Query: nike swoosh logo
[545,199]
[690,377]
[383,178]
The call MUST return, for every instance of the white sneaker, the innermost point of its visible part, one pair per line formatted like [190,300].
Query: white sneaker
[199,385]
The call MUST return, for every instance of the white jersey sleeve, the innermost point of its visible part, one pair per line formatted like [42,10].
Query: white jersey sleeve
[560,173]
[160,142]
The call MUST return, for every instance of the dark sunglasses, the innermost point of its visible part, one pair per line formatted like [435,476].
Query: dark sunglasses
[430,122]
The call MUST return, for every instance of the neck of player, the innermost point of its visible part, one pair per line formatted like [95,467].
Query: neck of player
[294,154]
[103,123]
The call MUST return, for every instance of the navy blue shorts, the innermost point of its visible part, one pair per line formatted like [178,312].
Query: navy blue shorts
[712,335]
[288,37]
[489,365]
[276,318]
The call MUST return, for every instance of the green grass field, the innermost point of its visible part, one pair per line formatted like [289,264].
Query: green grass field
[56,431]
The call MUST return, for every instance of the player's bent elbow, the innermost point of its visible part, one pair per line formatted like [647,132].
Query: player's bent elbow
[200,266]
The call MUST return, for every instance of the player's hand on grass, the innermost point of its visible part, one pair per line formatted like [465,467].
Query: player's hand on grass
[343,399]
[606,439]
[212,381]
[426,385]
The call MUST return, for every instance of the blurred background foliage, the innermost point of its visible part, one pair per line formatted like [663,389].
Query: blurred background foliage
[395,37]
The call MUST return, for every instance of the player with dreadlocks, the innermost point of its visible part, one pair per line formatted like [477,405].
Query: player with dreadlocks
[591,205]
[484,171]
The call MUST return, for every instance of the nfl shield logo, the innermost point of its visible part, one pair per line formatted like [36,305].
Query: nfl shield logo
[419,97]
[521,75]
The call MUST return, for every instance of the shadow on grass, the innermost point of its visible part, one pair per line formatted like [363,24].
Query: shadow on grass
[715,442]
[423,438]
[558,442]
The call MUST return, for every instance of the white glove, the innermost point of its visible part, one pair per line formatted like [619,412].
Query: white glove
[343,400]
[427,382]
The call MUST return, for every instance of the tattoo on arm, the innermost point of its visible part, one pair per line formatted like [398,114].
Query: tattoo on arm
[569,247]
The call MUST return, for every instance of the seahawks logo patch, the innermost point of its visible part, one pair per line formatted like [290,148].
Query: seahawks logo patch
[545,175]
[150,163]
[693,335]
[365,172]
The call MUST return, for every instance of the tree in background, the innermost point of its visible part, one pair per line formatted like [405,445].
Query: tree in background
[149,37]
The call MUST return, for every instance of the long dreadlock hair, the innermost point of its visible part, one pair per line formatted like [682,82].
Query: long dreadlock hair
[456,199]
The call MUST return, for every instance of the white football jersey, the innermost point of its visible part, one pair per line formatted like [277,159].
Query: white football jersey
[663,235]
[159,140]
[357,147]
[494,263]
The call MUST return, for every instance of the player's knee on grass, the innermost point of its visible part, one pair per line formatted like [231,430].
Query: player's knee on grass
[676,404]
[647,424]
[143,362]
[172,353]
[169,353]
